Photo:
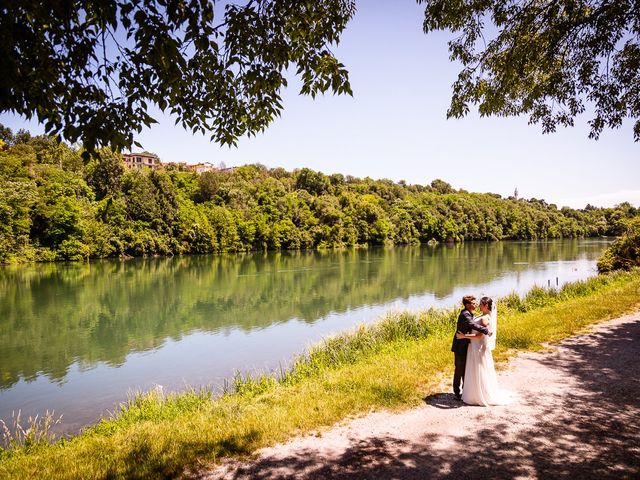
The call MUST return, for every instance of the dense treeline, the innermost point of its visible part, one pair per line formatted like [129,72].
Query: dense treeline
[56,206]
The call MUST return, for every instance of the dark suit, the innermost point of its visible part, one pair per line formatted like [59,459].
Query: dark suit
[459,347]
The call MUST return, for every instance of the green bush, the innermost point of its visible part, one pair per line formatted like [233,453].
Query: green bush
[73,250]
[624,253]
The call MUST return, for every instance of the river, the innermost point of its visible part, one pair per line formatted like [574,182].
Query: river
[78,338]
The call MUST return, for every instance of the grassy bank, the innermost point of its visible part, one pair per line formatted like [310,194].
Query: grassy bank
[392,364]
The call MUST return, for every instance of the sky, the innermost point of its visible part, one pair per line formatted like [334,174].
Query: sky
[395,127]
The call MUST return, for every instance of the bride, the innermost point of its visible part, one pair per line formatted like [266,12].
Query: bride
[480,379]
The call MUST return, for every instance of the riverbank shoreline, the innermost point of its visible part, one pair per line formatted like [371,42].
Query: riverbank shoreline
[389,366]
[567,420]
[301,251]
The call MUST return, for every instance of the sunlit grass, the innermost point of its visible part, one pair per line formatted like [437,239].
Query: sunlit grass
[392,364]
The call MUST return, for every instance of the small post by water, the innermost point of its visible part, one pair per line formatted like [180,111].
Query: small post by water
[549,283]
[556,281]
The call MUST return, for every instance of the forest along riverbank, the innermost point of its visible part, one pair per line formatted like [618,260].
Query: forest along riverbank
[393,364]
[60,207]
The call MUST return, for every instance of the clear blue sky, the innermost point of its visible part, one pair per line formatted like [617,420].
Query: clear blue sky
[395,127]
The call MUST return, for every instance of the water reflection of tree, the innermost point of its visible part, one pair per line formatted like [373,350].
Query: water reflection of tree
[52,315]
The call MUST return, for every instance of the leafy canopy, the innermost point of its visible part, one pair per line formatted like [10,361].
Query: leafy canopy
[545,59]
[90,70]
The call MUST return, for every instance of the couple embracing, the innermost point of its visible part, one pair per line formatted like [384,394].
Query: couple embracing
[472,345]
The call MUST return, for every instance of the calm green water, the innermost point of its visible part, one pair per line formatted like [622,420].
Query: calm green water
[78,338]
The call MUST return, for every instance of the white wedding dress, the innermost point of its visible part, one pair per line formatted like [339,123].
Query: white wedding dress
[480,380]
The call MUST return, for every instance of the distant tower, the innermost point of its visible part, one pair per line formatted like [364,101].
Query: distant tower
[515,193]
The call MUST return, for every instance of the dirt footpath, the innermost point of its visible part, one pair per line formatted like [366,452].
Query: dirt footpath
[577,415]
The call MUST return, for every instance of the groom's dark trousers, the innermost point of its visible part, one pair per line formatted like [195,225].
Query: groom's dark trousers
[459,347]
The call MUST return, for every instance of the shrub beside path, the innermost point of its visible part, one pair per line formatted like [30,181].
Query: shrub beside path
[577,415]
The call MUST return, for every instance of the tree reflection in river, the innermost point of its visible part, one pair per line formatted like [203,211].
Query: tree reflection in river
[53,315]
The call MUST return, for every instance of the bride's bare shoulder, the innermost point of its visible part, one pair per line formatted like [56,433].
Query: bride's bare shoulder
[483,319]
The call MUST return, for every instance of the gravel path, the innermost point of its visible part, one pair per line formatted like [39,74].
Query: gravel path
[577,416]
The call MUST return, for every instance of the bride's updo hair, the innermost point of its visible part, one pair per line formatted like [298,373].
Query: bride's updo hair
[488,301]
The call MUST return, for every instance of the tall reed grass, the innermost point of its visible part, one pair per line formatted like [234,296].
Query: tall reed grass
[21,433]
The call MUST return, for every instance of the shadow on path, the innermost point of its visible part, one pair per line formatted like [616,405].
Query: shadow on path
[443,401]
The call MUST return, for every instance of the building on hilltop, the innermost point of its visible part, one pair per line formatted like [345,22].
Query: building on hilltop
[141,160]
[200,168]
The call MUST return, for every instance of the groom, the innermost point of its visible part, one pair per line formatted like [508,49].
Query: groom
[459,347]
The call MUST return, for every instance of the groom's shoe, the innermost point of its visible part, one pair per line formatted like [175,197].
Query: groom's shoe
[458,396]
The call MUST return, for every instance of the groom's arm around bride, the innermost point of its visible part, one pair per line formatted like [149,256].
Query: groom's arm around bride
[459,347]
